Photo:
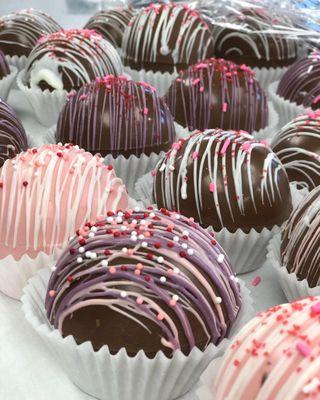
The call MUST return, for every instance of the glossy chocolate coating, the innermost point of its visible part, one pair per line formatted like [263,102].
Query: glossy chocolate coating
[144,280]
[218,94]
[116,116]
[300,240]
[166,38]
[111,23]
[20,31]
[4,66]
[224,179]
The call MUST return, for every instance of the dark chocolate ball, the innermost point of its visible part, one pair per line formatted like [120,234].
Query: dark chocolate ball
[224,179]
[20,31]
[218,94]
[297,145]
[116,116]
[246,37]
[166,38]
[111,23]
[69,59]
[301,82]
[144,280]
[300,240]
[13,139]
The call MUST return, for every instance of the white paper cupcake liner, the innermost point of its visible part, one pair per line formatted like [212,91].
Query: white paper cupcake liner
[266,76]
[291,286]
[160,81]
[14,274]
[133,168]
[286,109]
[46,105]
[17,61]
[7,82]
[120,377]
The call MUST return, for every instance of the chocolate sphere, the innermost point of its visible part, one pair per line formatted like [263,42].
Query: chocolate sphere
[166,38]
[144,280]
[13,137]
[218,94]
[300,84]
[4,66]
[300,240]
[224,179]
[20,31]
[111,23]
[297,145]
[70,58]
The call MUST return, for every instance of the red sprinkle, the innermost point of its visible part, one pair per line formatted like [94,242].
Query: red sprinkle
[25,183]
[256,281]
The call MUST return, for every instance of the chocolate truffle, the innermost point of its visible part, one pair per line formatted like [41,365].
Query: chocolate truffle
[247,37]
[301,84]
[275,356]
[46,193]
[298,147]
[300,240]
[224,179]
[166,38]
[218,94]
[111,23]
[70,58]
[4,66]
[116,116]
[144,280]
[19,31]
[13,137]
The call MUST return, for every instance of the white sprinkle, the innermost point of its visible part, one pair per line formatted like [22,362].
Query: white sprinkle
[76,147]
[36,173]
[81,249]
[152,215]
[185,233]
[79,260]
[53,268]
[144,244]
[141,237]
[143,222]
[124,250]
[220,258]
[104,263]
[177,216]
[184,245]
[123,294]
[218,300]
[109,220]
[312,386]
[88,254]
[176,238]
[176,270]
[171,167]
[119,220]
[310,69]
[190,252]
[120,214]
[124,228]
[163,279]
[93,255]
[91,235]
[163,167]
[160,260]
[175,297]
[71,238]
[134,233]
[137,209]
[133,238]
[94,229]
[134,221]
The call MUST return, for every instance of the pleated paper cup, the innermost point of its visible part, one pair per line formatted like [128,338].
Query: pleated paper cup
[266,76]
[286,109]
[291,286]
[160,81]
[45,105]
[6,83]
[14,274]
[17,61]
[118,376]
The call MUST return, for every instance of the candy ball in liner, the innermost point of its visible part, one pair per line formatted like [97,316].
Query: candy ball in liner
[174,36]
[46,88]
[158,360]
[124,121]
[212,188]
[45,194]
[218,93]
[294,253]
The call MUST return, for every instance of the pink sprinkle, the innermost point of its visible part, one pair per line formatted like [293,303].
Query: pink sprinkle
[83,97]
[52,293]
[316,308]
[195,81]
[112,270]
[225,146]
[176,145]
[201,66]
[195,155]
[224,107]
[139,300]
[256,281]
[145,111]
[211,187]
[201,90]
[154,172]
[304,349]
[246,146]
[316,100]
[160,316]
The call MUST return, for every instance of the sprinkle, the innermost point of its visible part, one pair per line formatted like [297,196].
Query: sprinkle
[175,297]
[144,244]
[218,300]
[52,293]
[163,279]
[176,270]
[104,263]
[112,270]
[124,250]
[312,386]
[225,146]
[224,107]
[81,250]
[91,235]
[176,239]
[160,316]
[256,281]
[304,349]
[234,278]
[185,233]
[220,258]
[139,300]
[25,183]
[53,268]
[140,266]
[79,260]
[123,294]
[236,363]
[316,308]
[211,187]
[160,260]
[190,252]
[145,111]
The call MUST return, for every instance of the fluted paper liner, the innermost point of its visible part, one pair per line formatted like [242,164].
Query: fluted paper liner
[14,274]
[291,286]
[17,61]
[286,109]
[266,76]
[160,81]
[46,105]
[7,82]
[118,376]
